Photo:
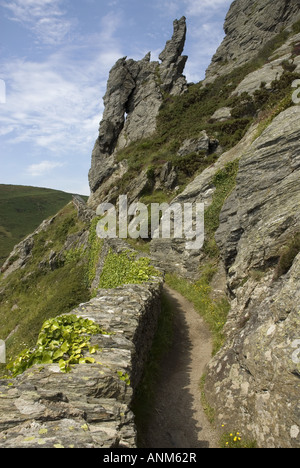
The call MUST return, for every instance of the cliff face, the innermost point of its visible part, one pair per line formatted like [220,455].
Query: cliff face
[253,381]
[248,28]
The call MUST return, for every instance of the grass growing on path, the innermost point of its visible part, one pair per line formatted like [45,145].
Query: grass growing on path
[199,294]
[143,405]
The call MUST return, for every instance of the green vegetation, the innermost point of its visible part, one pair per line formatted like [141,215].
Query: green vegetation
[94,248]
[62,340]
[296,27]
[199,293]
[37,293]
[22,209]
[208,410]
[235,440]
[143,404]
[125,268]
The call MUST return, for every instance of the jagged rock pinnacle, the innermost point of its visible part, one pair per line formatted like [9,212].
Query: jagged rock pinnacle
[133,97]
[174,47]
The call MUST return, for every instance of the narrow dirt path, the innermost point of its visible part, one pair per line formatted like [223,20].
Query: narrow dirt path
[178,420]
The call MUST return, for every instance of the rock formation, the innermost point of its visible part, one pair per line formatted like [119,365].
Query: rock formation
[133,97]
[254,377]
[253,381]
[248,27]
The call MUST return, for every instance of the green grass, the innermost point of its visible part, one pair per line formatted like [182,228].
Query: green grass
[36,293]
[125,268]
[22,209]
[144,400]
[199,294]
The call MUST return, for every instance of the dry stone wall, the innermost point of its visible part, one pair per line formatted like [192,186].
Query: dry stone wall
[90,406]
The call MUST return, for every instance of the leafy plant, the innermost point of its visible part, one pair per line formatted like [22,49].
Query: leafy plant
[61,340]
[124,377]
[125,268]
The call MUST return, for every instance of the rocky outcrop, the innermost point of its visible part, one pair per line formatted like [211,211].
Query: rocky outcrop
[22,252]
[90,406]
[248,27]
[264,208]
[133,97]
[254,380]
[196,145]
[171,254]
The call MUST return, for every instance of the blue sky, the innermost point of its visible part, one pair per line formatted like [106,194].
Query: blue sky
[55,57]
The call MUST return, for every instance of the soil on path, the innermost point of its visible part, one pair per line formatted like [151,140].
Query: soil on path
[178,420]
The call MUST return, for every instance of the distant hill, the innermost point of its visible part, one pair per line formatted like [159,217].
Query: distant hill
[22,209]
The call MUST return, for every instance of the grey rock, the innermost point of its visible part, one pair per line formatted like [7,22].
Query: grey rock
[174,47]
[248,27]
[262,213]
[221,115]
[168,176]
[21,253]
[196,145]
[253,382]
[85,213]
[268,73]
[132,101]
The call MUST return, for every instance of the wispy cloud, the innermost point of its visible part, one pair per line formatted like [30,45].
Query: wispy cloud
[204,7]
[42,168]
[56,104]
[45,18]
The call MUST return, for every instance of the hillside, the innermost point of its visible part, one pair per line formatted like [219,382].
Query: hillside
[230,143]
[22,209]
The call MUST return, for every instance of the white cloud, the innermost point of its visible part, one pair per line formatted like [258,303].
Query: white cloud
[42,168]
[204,7]
[56,104]
[45,18]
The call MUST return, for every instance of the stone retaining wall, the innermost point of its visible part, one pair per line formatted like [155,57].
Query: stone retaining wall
[90,406]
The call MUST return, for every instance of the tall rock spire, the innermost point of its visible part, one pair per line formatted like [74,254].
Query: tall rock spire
[133,97]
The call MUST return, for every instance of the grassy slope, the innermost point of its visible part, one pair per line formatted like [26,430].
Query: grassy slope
[22,209]
[31,295]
